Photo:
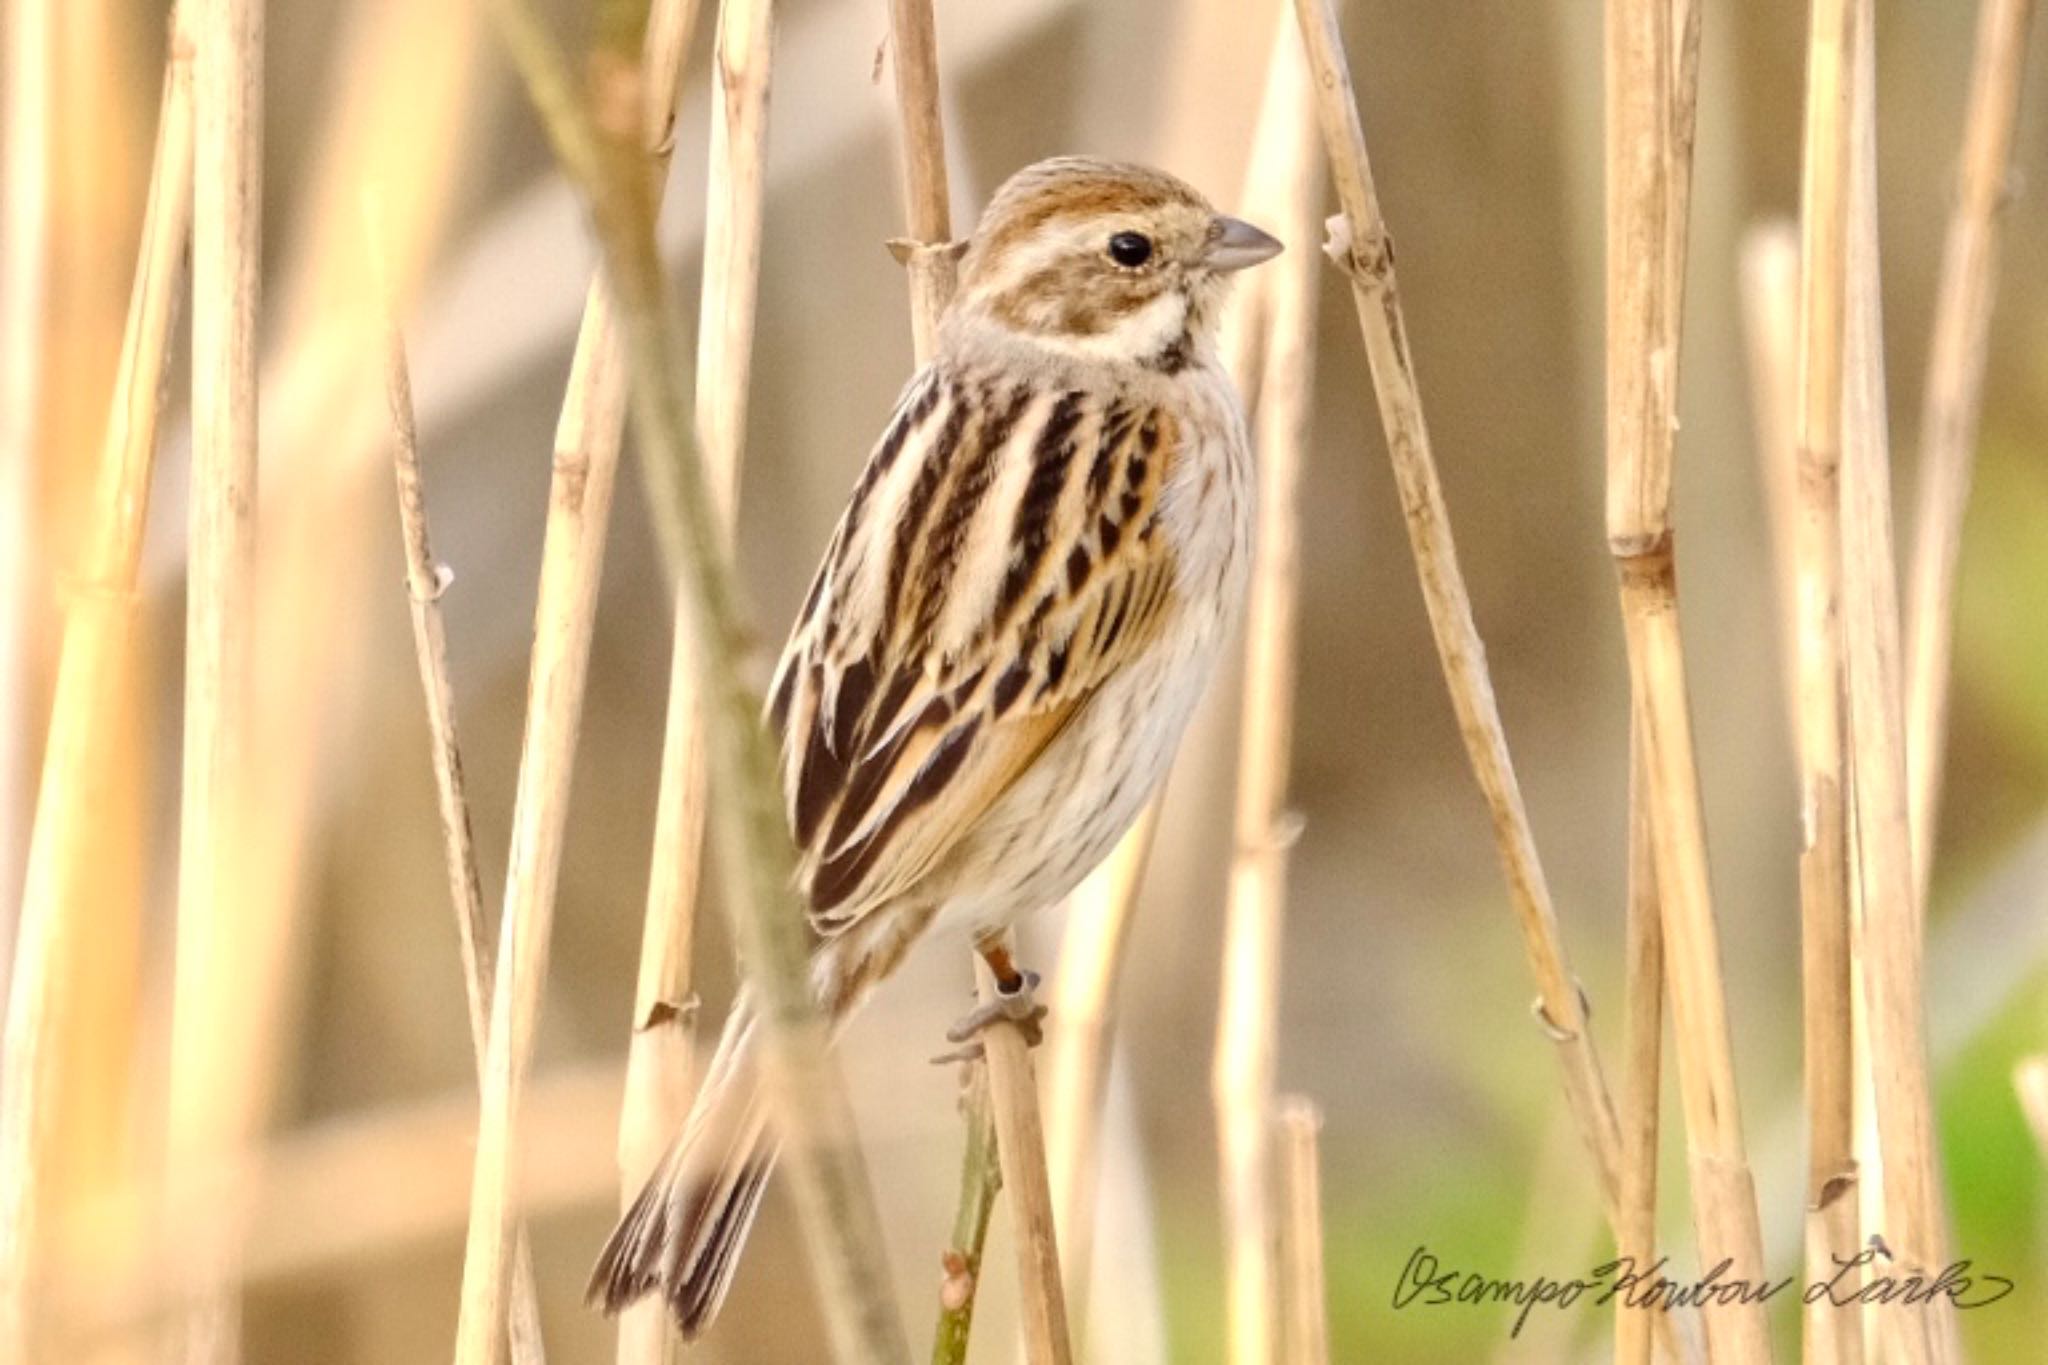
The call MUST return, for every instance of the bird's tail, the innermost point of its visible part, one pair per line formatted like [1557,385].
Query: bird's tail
[684,1233]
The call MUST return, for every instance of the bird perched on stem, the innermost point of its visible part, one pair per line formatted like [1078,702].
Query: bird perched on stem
[1021,605]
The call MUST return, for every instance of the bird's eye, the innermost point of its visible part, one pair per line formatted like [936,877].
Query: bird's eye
[1130,249]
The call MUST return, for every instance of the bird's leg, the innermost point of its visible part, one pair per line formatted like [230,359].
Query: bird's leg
[1015,1001]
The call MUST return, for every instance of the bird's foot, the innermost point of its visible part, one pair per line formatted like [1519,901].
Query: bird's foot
[1015,1002]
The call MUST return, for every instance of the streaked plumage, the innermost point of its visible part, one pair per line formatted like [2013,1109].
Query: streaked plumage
[1014,619]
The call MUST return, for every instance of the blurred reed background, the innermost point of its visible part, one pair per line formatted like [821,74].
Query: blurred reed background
[323,1029]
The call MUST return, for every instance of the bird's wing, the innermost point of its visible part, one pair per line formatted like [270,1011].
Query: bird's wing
[1000,557]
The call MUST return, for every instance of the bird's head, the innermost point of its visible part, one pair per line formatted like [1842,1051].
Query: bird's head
[1104,261]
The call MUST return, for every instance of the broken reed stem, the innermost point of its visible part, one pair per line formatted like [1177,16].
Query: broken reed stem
[587,442]
[1247,1019]
[606,161]
[1892,945]
[219,625]
[99,625]
[1831,1333]
[1081,1028]
[426,578]
[1952,402]
[981,1179]
[1642,1059]
[1361,247]
[1305,1328]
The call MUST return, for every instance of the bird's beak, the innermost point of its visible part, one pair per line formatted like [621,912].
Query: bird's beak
[1237,244]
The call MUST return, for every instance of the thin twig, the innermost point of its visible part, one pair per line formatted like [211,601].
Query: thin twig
[1305,1328]
[1892,946]
[426,578]
[220,615]
[1831,1332]
[84,720]
[1952,402]
[606,160]
[1362,248]
[981,1179]
[1247,1018]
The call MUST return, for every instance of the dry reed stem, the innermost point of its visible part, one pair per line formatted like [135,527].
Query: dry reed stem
[1080,1028]
[1645,159]
[1305,1328]
[1642,1059]
[220,615]
[1020,1147]
[660,1057]
[1361,247]
[1892,945]
[84,721]
[1012,1088]
[1826,913]
[2030,1081]
[1769,268]
[587,442]
[426,578]
[1242,1084]
[826,1172]
[28,59]
[1952,400]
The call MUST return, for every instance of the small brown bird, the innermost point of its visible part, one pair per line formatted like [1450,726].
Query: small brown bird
[1022,603]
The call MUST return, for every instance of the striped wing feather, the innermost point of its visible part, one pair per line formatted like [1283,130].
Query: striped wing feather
[999,559]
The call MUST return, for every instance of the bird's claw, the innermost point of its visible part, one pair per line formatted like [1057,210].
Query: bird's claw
[1017,1005]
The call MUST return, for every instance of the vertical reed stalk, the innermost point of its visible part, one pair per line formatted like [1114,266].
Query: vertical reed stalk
[1361,247]
[1247,1021]
[1826,914]
[1020,1144]
[1305,1334]
[1892,947]
[1012,1089]
[606,161]
[660,1056]
[1645,159]
[1081,1028]
[426,578]
[220,611]
[84,720]
[587,441]
[1952,401]
[1642,1060]
[27,125]
[1770,317]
